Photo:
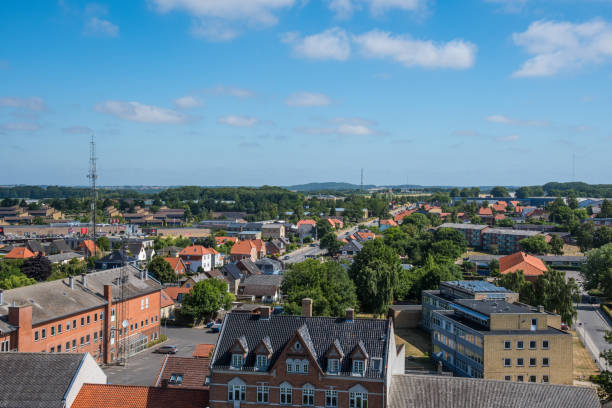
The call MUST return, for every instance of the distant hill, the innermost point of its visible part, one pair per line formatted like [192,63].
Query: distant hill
[329,186]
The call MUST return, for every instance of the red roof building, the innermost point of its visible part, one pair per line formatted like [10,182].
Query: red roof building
[134,396]
[304,222]
[531,266]
[485,211]
[183,372]
[203,350]
[89,248]
[20,253]
[177,264]
[225,240]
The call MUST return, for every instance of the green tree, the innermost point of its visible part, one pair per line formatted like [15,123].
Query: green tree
[104,243]
[420,221]
[556,245]
[323,227]
[523,192]
[602,236]
[16,281]
[494,267]
[535,245]
[554,292]
[206,298]
[597,270]
[375,272]
[430,275]
[604,379]
[161,270]
[499,192]
[449,234]
[330,242]
[38,268]
[38,220]
[606,210]
[585,235]
[327,284]
[514,281]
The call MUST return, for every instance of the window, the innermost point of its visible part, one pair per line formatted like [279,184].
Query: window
[43,333]
[261,361]
[532,362]
[520,378]
[520,344]
[59,348]
[146,303]
[136,325]
[73,344]
[36,335]
[237,360]
[331,398]
[112,314]
[59,328]
[88,319]
[305,367]
[289,366]
[132,327]
[88,339]
[67,346]
[101,315]
[508,378]
[95,317]
[147,322]
[534,324]
[544,378]
[377,364]
[507,345]
[263,393]
[507,362]
[142,323]
[236,392]
[74,326]
[68,325]
[285,394]
[82,341]
[53,330]
[358,367]
[358,400]
[5,345]
[100,335]
[532,344]
[545,362]
[176,379]
[333,365]
[308,396]
[532,378]
[545,344]
[141,304]
[95,337]
[82,321]
[520,362]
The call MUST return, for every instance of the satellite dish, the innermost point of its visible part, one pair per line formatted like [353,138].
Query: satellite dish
[125,324]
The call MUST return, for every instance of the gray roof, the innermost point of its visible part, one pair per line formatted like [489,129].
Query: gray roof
[60,245]
[476,286]
[421,391]
[261,285]
[489,307]
[319,333]
[249,265]
[65,256]
[231,270]
[37,380]
[526,233]
[352,245]
[563,258]
[462,226]
[483,258]
[35,246]
[55,299]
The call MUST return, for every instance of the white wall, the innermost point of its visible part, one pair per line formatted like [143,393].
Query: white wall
[89,372]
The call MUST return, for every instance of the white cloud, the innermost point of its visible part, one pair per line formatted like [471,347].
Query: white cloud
[139,112]
[455,54]
[77,130]
[510,138]
[308,99]
[345,8]
[214,31]
[343,127]
[34,103]
[232,91]
[187,102]
[238,121]
[513,121]
[558,46]
[510,6]
[331,44]
[21,126]
[98,27]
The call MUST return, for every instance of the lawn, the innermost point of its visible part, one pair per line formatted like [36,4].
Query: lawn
[584,366]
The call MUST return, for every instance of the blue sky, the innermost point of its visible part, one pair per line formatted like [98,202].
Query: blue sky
[229,92]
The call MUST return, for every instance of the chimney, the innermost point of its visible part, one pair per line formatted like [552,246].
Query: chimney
[307,307]
[1,300]
[350,314]
[264,313]
[84,279]
[541,309]
[71,282]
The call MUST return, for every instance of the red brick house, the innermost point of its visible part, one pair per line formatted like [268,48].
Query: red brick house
[177,264]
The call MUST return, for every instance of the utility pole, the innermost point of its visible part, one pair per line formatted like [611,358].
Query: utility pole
[92,176]
[362,179]
[573,166]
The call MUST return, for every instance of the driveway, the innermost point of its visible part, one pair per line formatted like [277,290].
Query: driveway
[142,369]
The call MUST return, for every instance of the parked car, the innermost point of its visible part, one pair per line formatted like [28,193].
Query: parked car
[216,328]
[564,326]
[166,350]
[286,257]
[209,324]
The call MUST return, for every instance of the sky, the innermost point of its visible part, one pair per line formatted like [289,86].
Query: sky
[283,92]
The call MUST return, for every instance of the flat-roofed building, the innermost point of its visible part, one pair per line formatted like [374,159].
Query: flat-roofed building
[472,232]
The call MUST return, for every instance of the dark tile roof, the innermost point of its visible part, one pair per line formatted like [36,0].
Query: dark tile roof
[194,371]
[352,246]
[318,332]
[35,246]
[232,271]
[59,245]
[36,380]
[260,285]
[420,391]
[248,266]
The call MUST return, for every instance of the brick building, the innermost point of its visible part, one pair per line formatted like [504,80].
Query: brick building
[83,314]
[263,359]
[471,232]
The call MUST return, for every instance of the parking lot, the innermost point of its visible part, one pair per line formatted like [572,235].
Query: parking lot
[142,368]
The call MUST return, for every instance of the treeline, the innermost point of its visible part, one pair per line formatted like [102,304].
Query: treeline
[39,193]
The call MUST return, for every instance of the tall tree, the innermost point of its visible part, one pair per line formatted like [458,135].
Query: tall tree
[38,268]
[597,271]
[499,192]
[161,270]
[206,298]
[535,245]
[556,245]
[330,242]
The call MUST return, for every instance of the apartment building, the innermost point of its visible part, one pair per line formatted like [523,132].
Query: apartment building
[110,314]
[507,241]
[451,291]
[262,359]
[472,232]
[498,340]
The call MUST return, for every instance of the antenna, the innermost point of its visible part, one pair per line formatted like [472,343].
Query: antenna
[92,176]
[362,179]
[573,166]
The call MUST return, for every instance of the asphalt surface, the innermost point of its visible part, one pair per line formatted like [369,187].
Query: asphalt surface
[143,367]
[300,255]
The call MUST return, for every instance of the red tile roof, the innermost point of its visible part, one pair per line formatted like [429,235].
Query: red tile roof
[389,222]
[310,222]
[194,371]
[131,396]
[197,250]
[203,350]
[166,300]
[500,217]
[242,248]
[19,253]
[485,211]
[401,215]
[260,244]
[223,240]
[175,262]
[364,235]
[89,244]
[174,291]
[529,264]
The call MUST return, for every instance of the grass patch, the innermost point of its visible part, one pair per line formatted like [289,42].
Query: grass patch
[416,341]
[584,366]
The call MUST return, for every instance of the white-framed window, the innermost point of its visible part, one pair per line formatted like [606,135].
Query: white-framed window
[289,365]
[176,378]
[36,335]
[358,400]
[308,395]
[520,362]
[261,361]
[545,361]
[237,360]
[52,330]
[304,366]
[263,393]
[533,344]
[112,314]
[331,398]
[43,333]
[545,344]
[358,367]
[333,365]
[68,325]
[59,328]
[146,303]
[286,394]
[142,304]
[507,345]
[507,362]
[5,345]
[236,392]
[520,345]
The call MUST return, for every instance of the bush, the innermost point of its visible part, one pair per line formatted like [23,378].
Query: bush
[161,339]
[606,308]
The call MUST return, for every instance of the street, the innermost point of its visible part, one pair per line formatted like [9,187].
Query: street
[300,255]
[143,368]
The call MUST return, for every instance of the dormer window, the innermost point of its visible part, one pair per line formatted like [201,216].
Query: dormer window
[358,367]
[261,362]
[176,379]
[377,364]
[237,360]
[333,366]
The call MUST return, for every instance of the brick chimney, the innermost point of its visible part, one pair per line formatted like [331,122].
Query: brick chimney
[541,309]
[108,295]
[307,307]
[350,314]
[21,317]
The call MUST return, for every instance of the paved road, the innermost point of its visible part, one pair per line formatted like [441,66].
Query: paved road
[144,367]
[300,255]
